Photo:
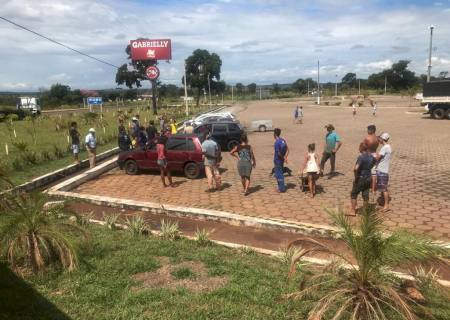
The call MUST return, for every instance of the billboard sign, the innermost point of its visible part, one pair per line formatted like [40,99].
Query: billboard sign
[94,100]
[152,73]
[151,49]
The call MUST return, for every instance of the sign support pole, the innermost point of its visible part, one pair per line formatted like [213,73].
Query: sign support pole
[155,109]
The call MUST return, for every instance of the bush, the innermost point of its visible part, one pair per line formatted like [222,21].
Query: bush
[137,226]
[21,146]
[90,117]
[337,103]
[30,157]
[58,152]
[46,155]
[12,117]
[111,220]
[169,230]
[18,164]
[202,237]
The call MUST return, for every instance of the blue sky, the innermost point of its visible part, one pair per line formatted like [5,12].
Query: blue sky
[262,41]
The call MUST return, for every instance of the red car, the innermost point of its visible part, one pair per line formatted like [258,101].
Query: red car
[184,154]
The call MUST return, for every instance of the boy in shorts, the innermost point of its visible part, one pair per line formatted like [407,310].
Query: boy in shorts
[384,159]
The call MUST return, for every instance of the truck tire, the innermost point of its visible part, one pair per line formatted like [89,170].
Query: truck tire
[262,128]
[231,144]
[448,113]
[438,114]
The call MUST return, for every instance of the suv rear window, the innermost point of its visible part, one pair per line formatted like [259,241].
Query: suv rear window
[233,127]
[220,128]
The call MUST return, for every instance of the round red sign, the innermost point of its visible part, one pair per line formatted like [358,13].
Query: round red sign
[152,73]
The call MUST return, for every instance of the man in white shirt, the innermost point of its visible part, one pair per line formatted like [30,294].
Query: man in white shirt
[384,159]
[211,154]
[91,147]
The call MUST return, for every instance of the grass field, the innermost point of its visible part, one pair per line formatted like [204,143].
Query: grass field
[107,285]
[38,146]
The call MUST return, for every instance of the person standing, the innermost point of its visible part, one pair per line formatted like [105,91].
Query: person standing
[246,161]
[374,109]
[372,143]
[151,132]
[354,109]
[332,144]
[173,126]
[134,130]
[91,147]
[361,183]
[162,124]
[300,115]
[75,146]
[296,115]
[141,137]
[124,140]
[161,150]
[384,159]
[281,152]
[311,169]
[211,154]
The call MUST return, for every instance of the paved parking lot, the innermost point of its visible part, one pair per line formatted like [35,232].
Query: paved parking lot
[420,170]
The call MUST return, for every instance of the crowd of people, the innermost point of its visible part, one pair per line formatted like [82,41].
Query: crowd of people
[371,170]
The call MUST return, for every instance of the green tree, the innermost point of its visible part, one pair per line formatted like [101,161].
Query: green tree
[36,236]
[201,66]
[349,80]
[133,73]
[364,289]
[301,85]
[252,88]
[276,88]
[443,75]
[398,77]
[239,88]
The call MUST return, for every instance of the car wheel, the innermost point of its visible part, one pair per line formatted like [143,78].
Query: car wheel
[231,144]
[131,167]
[438,114]
[191,170]
[262,128]
[448,114]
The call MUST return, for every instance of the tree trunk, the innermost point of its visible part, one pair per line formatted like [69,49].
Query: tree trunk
[34,254]
[155,109]
[198,97]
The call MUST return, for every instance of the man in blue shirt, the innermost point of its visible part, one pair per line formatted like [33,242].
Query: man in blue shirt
[332,145]
[281,152]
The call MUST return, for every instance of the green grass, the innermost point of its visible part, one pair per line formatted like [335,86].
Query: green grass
[47,137]
[183,273]
[102,287]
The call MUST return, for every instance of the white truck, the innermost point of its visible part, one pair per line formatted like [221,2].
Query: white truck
[30,104]
[436,97]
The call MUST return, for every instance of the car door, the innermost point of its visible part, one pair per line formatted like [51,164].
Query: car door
[151,157]
[176,153]
[220,134]
[234,131]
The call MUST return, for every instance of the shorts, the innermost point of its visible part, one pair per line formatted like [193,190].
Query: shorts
[362,185]
[75,149]
[382,181]
[212,171]
[162,163]
[314,175]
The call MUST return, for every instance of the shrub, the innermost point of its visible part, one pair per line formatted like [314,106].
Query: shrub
[34,236]
[169,230]
[30,157]
[21,146]
[337,103]
[12,117]
[84,219]
[58,152]
[202,237]
[90,117]
[18,164]
[46,155]
[111,220]
[137,226]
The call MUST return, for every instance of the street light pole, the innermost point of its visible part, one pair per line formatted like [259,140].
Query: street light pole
[186,105]
[359,87]
[318,82]
[335,87]
[429,55]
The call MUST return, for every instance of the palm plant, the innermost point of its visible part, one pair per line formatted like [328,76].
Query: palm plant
[202,236]
[35,235]
[169,230]
[137,226]
[359,286]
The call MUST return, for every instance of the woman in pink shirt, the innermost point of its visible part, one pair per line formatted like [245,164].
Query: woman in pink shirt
[162,161]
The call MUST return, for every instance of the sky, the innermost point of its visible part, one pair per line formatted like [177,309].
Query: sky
[261,41]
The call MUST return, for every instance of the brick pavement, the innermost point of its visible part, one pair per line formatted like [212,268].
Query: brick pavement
[420,171]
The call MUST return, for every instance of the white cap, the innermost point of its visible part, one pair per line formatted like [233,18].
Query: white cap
[385,136]
[134,119]
[91,130]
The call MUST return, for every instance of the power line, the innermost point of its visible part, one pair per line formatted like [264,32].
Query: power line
[59,43]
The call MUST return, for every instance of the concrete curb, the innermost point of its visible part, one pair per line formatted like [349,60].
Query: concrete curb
[61,173]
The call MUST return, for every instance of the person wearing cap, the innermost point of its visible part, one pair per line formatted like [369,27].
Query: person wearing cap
[135,128]
[332,144]
[91,147]
[383,158]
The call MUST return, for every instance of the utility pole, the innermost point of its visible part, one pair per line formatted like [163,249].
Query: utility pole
[260,93]
[385,84]
[429,55]
[232,94]
[335,87]
[307,93]
[359,87]
[209,91]
[318,82]
[186,104]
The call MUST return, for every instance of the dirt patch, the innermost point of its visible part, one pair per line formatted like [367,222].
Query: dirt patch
[164,277]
